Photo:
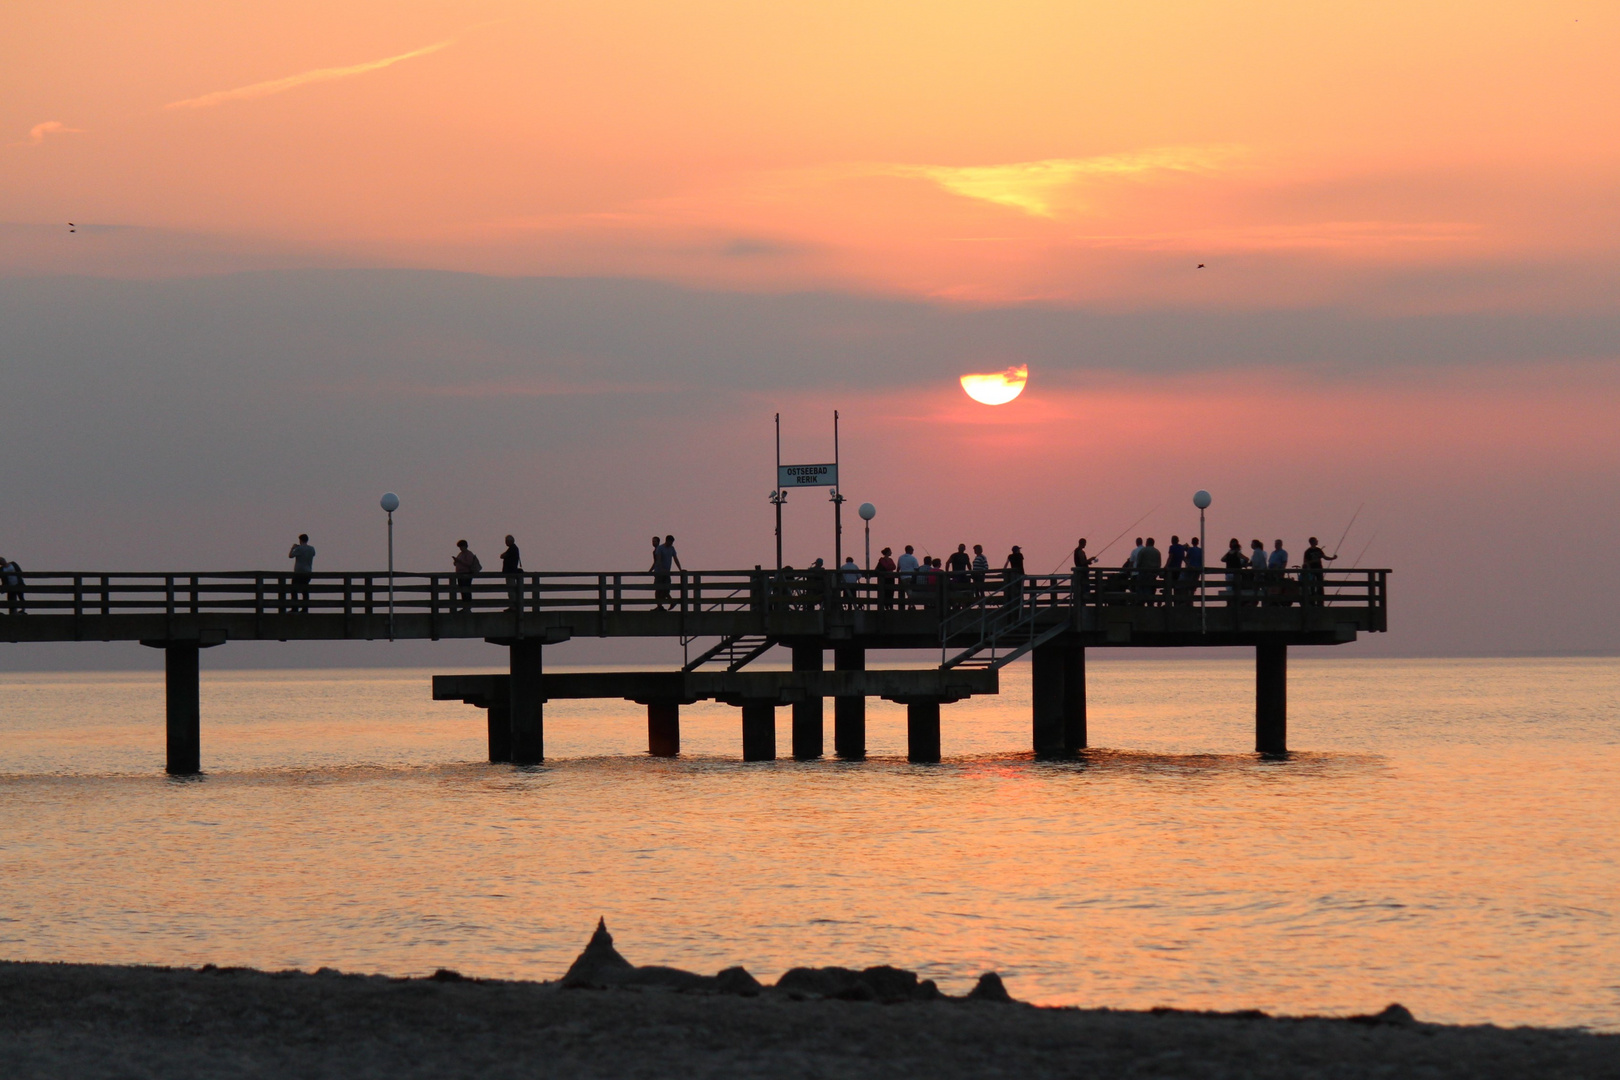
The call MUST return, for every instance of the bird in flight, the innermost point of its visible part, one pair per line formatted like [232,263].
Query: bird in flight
[1200,266]
[72,227]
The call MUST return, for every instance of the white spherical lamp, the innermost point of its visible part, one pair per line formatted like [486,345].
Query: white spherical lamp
[390,502]
[1201,499]
[867,511]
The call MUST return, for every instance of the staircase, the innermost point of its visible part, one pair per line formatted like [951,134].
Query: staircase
[733,653]
[1000,628]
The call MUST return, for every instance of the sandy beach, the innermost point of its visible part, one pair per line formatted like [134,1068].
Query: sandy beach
[606,1018]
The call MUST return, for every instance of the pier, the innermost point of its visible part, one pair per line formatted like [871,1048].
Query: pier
[726,621]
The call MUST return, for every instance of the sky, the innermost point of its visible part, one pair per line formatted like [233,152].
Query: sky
[552,269]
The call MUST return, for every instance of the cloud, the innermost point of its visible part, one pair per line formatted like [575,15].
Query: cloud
[1033,186]
[37,133]
[276,86]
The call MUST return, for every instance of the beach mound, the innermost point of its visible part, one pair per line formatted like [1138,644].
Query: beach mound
[602,967]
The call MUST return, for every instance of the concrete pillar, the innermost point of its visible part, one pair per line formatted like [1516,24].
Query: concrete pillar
[1271,698]
[1074,697]
[183,707]
[807,726]
[922,730]
[500,731]
[759,729]
[528,703]
[664,728]
[849,713]
[1058,684]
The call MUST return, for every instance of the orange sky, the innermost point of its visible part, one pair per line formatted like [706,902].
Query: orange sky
[1082,152]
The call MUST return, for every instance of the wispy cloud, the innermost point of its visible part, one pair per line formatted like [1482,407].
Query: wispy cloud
[1035,186]
[37,133]
[276,86]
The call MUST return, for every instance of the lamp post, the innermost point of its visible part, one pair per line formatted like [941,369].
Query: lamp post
[390,503]
[1202,499]
[868,512]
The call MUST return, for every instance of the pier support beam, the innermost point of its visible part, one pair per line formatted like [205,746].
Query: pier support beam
[759,729]
[1271,699]
[664,728]
[500,731]
[849,713]
[1058,679]
[184,708]
[528,703]
[922,730]
[807,723]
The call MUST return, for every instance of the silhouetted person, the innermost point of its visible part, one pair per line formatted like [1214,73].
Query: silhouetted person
[466,564]
[850,574]
[1130,560]
[303,557]
[885,572]
[1175,556]
[1148,561]
[1013,569]
[960,565]
[1310,573]
[1080,567]
[1277,574]
[1234,562]
[908,575]
[512,567]
[1192,571]
[13,575]
[664,560]
[981,569]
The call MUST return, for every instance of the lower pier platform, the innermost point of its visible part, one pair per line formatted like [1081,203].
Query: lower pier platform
[757,693]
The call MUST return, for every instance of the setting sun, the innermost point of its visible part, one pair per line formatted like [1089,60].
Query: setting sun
[996,387]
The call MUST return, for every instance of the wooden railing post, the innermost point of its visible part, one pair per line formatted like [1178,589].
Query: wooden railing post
[168,594]
[106,596]
[601,596]
[194,594]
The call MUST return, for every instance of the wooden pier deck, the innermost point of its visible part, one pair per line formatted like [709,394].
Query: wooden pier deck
[977,626]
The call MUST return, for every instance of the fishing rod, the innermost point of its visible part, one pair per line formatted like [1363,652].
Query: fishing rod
[1359,554]
[1347,528]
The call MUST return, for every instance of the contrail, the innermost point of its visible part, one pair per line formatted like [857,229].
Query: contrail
[276,86]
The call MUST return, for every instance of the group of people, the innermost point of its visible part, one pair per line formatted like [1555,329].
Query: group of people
[1172,576]
[465,563]
[908,581]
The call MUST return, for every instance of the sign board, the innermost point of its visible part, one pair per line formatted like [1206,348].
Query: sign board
[791,476]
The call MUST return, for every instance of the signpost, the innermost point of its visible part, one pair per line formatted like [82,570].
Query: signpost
[808,476]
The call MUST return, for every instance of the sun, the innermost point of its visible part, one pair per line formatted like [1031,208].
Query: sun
[996,387]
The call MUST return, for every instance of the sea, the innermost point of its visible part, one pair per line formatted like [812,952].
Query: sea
[1445,834]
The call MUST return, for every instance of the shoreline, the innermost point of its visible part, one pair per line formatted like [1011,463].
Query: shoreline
[608,1018]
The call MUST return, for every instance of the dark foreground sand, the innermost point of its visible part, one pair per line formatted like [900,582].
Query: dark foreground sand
[63,1020]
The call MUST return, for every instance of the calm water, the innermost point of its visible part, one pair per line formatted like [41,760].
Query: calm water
[1447,837]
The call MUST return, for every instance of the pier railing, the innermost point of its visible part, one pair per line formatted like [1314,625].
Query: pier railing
[951,596]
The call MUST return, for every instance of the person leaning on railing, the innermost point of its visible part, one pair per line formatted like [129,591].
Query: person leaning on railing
[13,575]
[466,564]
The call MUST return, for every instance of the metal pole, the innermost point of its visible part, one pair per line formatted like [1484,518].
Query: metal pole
[1203,577]
[776,496]
[838,503]
[868,547]
[390,575]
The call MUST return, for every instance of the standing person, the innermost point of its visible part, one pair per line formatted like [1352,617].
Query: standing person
[1175,557]
[303,557]
[1192,572]
[466,564]
[885,572]
[981,569]
[1081,569]
[1234,562]
[664,558]
[13,575]
[908,576]
[851,574]
[1130,560]
[1013,569]
[1148,561]
[960,564]
[512,567]
[1257,567]
[1310,573]
[1277,574]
